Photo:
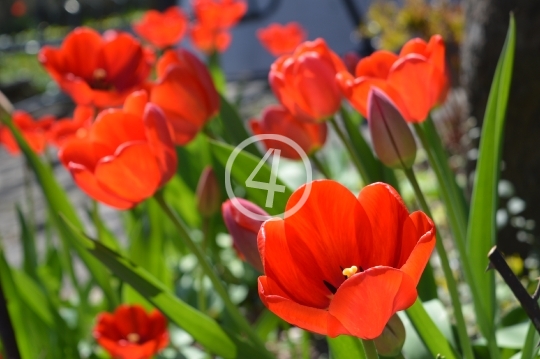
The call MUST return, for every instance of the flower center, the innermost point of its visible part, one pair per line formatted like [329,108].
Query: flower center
[348,272]
[133,337]
[99,80]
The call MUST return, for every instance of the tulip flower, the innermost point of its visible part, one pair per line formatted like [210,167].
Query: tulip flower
[221,14]
[277,120]
[244,229]
[65,129]
[281,39]
[415,80]
[392,138]
[186,94]
[343,265]
[132,333]
[97,70]
[208,193]
[304,82]
[34,132]
[162,29]
[209,39]
[126,156]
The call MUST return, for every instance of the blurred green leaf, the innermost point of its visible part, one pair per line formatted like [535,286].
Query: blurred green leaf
[432,325]
[482,231]
[58,203]
[30,262]
[234,128]
[266,323]
[346,347]
[244,165]
[204,329]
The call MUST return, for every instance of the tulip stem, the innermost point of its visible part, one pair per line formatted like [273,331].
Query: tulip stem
[449,276]
[369,349]
[321,167]
[358,164]
[180,226]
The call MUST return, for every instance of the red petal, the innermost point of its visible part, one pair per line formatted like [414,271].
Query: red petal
[387,213]
[87,182]
[418,96]
[106,328]
[80,51]
[114,127]
[365,302]
[327,234]
[377,65]
[417,258]
[312,319]
[287,274]
[131,319]
[135,103]
[414,46]
[132,173]
[160,141]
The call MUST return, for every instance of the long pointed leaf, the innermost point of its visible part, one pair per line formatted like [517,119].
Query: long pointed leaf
[204,329]
[482,231]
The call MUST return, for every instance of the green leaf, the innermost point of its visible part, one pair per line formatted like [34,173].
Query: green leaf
[244,165]
[58,203]
[234,128]
[346,347]
[530,348]
[201,327]
[482,231]
[266,323]
[430,334]
[30,262]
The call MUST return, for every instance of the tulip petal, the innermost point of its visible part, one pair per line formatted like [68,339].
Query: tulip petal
[80,50]
[387,213]
[328,232]
[424,232]
[414,46]
[376,65]
[305,317]
[114,127]
[87,182]
[286,270]
[365,302]
[132,173]
[135,103]
[160,141]
[131,319]
[82,152]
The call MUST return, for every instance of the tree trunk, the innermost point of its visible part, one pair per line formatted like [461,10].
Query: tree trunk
[486,26]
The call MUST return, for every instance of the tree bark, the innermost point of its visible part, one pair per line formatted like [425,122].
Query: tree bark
[486,26]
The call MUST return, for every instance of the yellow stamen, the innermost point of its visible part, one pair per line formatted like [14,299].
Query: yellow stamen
[133,337]
[348,272]
[100,74]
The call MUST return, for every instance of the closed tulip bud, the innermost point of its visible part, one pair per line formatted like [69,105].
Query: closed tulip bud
[208,193]
[244,230]
[392,138]
[390,342]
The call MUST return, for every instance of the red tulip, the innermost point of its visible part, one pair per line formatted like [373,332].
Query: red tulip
[97,70]
[186,94]
[34,132]
[162,29]
[244,229]
[65,129]
[131,333]
[277,120]
[304,82]
[341,264]
[127,155]
[415,81]
[221,14]
[209,39]
[281,39]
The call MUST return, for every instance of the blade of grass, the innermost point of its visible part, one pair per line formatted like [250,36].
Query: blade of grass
[482,231]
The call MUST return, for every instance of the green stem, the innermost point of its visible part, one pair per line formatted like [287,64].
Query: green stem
[357,163]
[320,166]
[529,347]
[369,349]
[449,276]
[240,321]
[306,345]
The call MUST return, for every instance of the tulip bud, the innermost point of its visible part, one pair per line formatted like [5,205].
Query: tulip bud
[390,342]
[392,138]
[244,230]
[208,193]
